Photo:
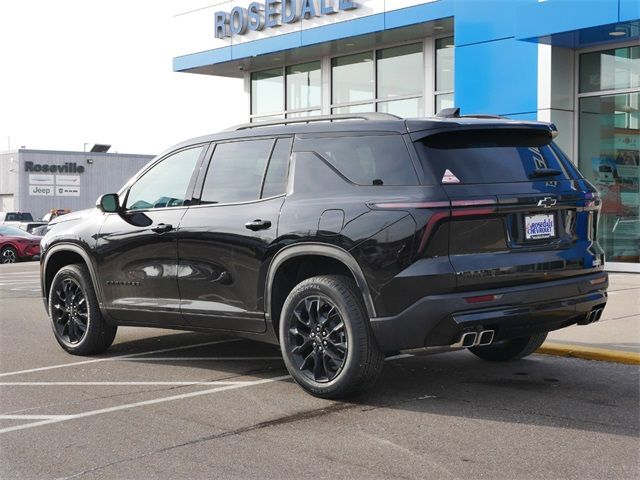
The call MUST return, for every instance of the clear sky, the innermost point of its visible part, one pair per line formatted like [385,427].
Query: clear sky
[99,71]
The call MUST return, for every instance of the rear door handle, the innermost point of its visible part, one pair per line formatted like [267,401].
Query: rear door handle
[162,228]
[258,225]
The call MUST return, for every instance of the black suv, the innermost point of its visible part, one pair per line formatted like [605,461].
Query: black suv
[342,239]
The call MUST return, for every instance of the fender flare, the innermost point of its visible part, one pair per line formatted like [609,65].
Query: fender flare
[71,247]
[318,249]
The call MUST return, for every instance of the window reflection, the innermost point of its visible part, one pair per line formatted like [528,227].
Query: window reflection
[609,156]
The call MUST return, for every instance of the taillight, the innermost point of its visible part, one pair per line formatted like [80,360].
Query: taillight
[468,207]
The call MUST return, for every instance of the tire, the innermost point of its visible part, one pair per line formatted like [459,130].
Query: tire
[345,359]
[510,349]
[9,255]
[77,323]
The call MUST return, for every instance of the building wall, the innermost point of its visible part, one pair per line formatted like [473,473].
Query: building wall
[40,191]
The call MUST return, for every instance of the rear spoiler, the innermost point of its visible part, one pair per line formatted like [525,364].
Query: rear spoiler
[488,124]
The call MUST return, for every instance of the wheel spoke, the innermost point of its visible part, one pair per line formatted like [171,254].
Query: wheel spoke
[329,353]
[318,366]
[307,361]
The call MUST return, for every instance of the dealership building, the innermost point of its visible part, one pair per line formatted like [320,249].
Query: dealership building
[572,62]
[37,181]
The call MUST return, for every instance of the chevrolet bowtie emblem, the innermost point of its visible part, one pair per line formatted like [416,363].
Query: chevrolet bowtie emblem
[547,202]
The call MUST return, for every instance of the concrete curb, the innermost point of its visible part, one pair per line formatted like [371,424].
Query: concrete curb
[590,353]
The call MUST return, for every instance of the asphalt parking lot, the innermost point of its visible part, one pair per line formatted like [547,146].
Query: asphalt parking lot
[167,404]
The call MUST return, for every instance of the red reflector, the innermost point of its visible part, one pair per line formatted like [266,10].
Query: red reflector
[470,212]
[598,281]
[481,298]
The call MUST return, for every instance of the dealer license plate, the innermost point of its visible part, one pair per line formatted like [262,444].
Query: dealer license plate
[539,226]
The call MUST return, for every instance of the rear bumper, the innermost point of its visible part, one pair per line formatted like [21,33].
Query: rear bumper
[519,311]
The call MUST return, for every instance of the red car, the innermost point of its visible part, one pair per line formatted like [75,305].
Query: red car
[16,245]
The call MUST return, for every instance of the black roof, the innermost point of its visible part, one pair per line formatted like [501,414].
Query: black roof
[389,124]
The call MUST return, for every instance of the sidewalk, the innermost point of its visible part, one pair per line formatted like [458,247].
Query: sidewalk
[616,337]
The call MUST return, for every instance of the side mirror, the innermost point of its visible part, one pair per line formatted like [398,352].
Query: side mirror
[108,203]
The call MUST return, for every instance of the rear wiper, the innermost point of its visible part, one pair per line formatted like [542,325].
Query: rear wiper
[545,172]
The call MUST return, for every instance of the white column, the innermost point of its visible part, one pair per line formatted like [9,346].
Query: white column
[325,75]
[429,56]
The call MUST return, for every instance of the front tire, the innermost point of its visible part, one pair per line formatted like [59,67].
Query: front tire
[8,255]
[326,341]
[77,323]
[510,349]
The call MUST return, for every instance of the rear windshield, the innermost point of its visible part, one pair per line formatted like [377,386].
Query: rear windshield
[19,217]
[490,157]
[364,159]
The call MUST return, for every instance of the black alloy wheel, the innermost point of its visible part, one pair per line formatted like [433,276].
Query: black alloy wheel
[326,340]
[76,319]
[318,339]
[69,311]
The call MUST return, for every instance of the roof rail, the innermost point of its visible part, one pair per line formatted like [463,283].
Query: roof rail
[317,118]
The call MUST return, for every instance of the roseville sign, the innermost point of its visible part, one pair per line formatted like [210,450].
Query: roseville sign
[272,13]
[68,167]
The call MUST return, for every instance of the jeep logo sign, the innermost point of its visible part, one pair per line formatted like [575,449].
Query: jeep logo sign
[69,167]
[273,13]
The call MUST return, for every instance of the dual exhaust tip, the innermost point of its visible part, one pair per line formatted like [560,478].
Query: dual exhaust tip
[593,316]
[475,339]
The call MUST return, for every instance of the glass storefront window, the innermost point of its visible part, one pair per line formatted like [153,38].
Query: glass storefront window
[267,118]
[267,91]
[444,64]
[353,78]
[394,83]
[400,71]
[444,100]
[307,113]
[303,86]
[610,70]
[408,108]
[367,107]
[609,156]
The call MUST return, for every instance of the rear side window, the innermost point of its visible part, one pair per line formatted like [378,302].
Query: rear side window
[490,156]
[365,160]
[275,180]
[236,171]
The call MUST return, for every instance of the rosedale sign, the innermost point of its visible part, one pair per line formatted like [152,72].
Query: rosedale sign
[273,13]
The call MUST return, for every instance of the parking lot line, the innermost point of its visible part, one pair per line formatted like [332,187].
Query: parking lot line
[82,384]
[196,359]
[128,406]
[31,417]
[118,357]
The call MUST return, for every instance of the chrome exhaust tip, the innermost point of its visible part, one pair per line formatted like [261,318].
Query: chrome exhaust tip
[599,314]
[467,340]
[486,337]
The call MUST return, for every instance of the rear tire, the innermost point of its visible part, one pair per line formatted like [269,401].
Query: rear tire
[77,323]
[510,349]
[326,340]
